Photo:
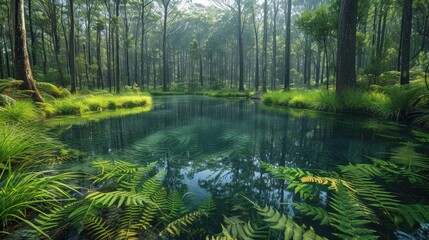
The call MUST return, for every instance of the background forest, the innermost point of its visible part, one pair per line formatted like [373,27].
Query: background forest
[187,46]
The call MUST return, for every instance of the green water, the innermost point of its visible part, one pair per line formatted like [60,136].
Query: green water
[211,146]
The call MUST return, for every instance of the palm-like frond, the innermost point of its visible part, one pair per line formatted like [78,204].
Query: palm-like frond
[237,228]
[177,226]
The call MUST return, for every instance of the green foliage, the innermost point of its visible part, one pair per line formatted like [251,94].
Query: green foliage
[359,196]
[285,224]
[52,90]
[26,144]
[134,205]
[235,228]
[20,111]
[5,100]
[24,192]
[351,217]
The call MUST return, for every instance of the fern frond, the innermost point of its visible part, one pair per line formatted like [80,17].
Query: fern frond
[119,198]
[150,210]
[285,223]
[408,156]
[133,180]
[412,214]
[207,206]
[319,213]
[175,206]
[285,173]
[110,170]
[332,182]
[219,238]
[98,229]
[305,191]
[237,228]
[177,226]
[54,219]
[350,217]
[128,224]
[372,192]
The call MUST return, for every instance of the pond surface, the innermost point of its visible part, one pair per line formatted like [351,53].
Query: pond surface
[211,146]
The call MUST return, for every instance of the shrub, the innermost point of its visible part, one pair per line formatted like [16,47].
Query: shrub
[70,106]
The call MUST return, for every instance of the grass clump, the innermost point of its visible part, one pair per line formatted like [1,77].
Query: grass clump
[226,94]
[20,111]
[52,90]
[70,106]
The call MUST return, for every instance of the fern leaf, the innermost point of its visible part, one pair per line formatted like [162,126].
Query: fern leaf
[349,217]
[98,229]
[332,182]
[177,226]
[319,213]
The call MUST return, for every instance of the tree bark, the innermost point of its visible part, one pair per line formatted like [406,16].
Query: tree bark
[240,47]
[165,4]
[346,47]
[255,29]
[32,37]
[264,48]
[286,85]
[117,72]
[72,48]
[22,64]
[406,40]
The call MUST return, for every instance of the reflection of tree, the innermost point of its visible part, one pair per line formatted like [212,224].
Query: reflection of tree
[228,138]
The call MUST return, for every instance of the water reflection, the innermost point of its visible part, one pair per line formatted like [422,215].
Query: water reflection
[214,146]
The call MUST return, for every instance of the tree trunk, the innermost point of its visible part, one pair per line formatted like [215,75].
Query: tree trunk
[142,65]
[126,45]
[287,47]
[240,48]
[22,63]
[88,37]
[346,47]
[100,82]
[117,80]
[32,37]
[164,47]
[7,74]
[44,53]
[255,29]
[264,48]
[72,48]
[274,42]
[56,40]
[406,40]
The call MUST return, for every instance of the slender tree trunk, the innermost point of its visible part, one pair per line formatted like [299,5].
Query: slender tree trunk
[276,4]
[5,52]
[32,37]
[142,65]
[118,80]
[56,40]
[1,56]
[100,81]
[265,48]
[287,45]
[256,32]
[406,40]
[22,62]
[88,37]
[72,48]
[346,47]
[240,47]
[44,53]
[164,47]
[126,45]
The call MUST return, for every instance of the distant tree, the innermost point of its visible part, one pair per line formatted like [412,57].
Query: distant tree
[346,46]
[406,41]
[22,63]
[287,11]
[265,48]
[72,47]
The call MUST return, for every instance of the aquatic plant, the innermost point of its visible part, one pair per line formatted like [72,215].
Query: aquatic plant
[131,203]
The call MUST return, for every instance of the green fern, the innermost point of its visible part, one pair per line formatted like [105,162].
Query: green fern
[412,214]
[237,228]
[98,229]
[128,224]
[319,213]
[281,222]
[351,217]
[177,226]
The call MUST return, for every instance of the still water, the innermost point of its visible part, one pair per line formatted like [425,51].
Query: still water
[213,147]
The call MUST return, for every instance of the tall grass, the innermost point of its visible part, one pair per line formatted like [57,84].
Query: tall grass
[25,193]
[26,144]
[20,111]
[81,104]
[392,102]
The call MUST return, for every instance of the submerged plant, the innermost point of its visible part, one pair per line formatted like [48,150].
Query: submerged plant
[131,203]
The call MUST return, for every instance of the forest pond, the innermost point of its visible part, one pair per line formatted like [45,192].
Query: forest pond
[213,147]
